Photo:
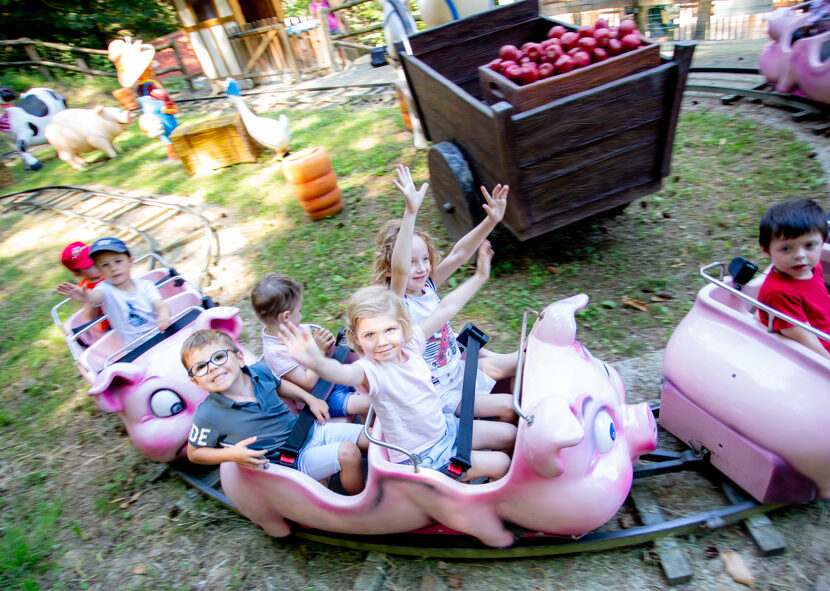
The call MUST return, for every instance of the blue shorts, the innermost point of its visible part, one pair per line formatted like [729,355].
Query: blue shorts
[318,456]
[439,454]
[338,399]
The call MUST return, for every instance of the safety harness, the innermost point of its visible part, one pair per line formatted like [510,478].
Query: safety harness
[291,448]
[472,339]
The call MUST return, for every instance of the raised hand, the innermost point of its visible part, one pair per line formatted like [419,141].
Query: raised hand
[413,197]
[72,291]
[484,259]
[496,204]
[301,345]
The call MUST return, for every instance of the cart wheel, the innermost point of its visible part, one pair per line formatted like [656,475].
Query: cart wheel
[454,188]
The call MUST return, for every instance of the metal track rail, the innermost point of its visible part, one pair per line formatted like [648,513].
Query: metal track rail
[737,507]
[142,217]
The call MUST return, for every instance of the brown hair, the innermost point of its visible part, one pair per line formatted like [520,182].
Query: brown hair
[373,301]
[385,243]
[274,294]
[203,338]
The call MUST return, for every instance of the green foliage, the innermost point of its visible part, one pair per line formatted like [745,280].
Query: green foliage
[87,23]
[25,543]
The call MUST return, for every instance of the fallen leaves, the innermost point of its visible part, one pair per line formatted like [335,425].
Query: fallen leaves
[125,503]
[737,569]
[140,570]
[635,304]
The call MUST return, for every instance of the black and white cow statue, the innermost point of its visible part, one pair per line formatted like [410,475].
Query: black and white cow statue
[28,118]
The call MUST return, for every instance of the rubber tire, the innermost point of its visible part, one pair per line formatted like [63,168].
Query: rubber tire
[322,202]
[306,165]
[454,189]
[324,213]
[316,187]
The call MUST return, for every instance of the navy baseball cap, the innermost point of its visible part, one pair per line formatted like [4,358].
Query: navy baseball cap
[107,245]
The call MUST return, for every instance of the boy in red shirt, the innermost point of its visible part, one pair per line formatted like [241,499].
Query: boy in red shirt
[75,257]
[791,235]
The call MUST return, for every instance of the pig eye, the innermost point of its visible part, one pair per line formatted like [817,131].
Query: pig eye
[604,431]
[165,403]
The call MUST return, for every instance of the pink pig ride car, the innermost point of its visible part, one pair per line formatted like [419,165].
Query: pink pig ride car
[757,401]
[572,463]
[797,60]
[146,385]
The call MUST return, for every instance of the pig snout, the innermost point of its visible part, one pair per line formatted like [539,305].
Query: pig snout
[640,429]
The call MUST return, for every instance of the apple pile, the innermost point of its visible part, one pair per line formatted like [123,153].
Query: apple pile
[565,50]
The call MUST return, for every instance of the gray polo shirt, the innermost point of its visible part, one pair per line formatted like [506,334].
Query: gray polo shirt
[218,419]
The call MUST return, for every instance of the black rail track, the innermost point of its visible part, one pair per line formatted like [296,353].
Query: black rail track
[144,218]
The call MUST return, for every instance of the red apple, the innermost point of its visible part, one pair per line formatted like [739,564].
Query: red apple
[513,72]
[506,64]
[510,52]
[600,24]
[602,36]
[627,26]
[614,47]
[588,44]
[630,41]
[569,39]
[495,64]
[586,31]
[582,59]
[528,75]
[546,70]
[599,54]
[565,63]
[552,53]
[613,33]
[532,50]
[573,50]
[556,31]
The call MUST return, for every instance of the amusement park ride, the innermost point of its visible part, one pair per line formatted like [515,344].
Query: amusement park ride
[579,446]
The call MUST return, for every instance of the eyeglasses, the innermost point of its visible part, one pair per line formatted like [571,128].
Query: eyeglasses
[200,368]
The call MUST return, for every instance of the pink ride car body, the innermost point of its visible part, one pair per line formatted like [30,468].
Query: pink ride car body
[796,67]
[756,400]
[152,393]
[571,468]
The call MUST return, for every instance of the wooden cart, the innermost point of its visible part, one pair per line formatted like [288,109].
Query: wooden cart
[589,152]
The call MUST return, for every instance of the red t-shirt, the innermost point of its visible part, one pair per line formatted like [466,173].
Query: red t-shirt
[87,284]
[803,299]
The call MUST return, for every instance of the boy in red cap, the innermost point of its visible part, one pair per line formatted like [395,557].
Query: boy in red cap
[75,257]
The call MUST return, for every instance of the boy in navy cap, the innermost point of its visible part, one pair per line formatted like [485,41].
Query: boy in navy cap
[133,306]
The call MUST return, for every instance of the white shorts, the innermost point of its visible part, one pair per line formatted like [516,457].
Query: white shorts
[318,456]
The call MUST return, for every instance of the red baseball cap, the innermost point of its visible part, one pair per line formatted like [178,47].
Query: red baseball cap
[75,257]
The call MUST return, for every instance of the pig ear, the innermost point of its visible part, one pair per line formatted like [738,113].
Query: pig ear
[111,380]
[557,325]
[99,109]
[224,318]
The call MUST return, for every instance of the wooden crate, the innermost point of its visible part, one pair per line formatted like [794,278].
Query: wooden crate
[215,143]
[567,159]
[495,87]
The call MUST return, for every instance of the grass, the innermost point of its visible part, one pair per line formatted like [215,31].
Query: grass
[726,171]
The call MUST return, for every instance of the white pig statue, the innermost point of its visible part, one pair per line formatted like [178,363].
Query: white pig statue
[76,131]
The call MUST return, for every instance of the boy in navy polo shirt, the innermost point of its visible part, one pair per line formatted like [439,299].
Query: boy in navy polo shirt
[243,407]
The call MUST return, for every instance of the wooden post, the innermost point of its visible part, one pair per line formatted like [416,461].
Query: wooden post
[289,52]
[704,12]
[34,56]
[181,63]
[84,68]
[324,26]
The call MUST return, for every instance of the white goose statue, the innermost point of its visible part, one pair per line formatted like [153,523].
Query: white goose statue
[270,133]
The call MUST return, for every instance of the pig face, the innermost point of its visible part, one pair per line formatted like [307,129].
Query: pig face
[583,434]
[114,114]
[154,396]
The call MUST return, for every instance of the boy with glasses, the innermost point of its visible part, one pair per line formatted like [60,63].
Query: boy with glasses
[243,419]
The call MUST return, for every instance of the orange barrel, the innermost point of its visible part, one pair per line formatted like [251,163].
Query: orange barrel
[313,181]
[407,120]
[127,97]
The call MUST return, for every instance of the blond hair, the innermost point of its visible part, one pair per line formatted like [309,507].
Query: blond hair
[203,338]
[385,243]
[372,301]
[274,294]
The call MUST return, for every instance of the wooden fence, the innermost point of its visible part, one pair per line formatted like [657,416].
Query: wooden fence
[34,49]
